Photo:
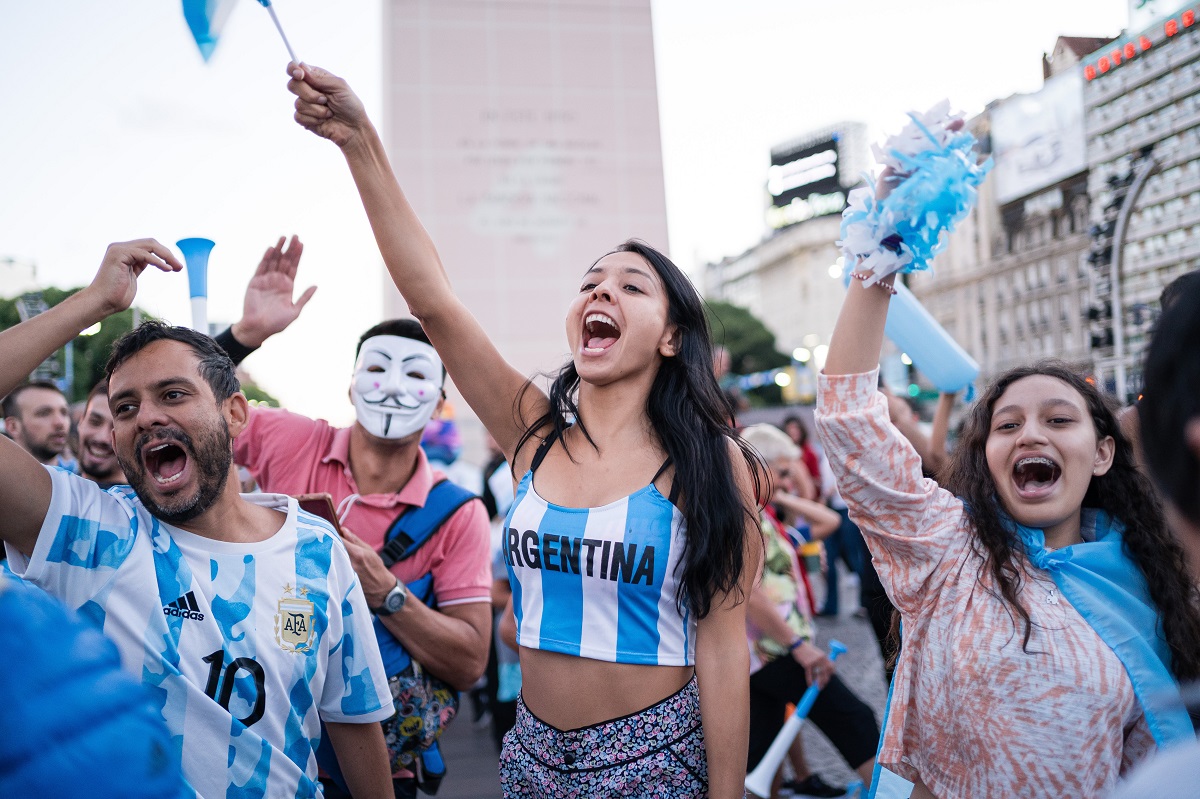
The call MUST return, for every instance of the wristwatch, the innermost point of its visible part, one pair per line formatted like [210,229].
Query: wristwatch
[393,601]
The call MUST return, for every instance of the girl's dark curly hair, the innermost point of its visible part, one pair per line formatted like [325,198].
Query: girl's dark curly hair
[1123,492]
[688,413]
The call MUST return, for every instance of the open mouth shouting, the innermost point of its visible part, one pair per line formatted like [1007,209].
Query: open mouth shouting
[1035,476]
[600,332]
[165,462]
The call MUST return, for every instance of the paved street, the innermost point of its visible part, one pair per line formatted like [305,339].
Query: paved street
[471,755]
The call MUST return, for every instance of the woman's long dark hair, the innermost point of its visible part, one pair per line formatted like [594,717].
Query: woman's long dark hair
[689,414]
[1123,492]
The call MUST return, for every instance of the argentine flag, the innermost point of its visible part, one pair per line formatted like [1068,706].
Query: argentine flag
[206,18]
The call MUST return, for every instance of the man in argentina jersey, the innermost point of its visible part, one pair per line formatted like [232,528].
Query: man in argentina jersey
[242,614]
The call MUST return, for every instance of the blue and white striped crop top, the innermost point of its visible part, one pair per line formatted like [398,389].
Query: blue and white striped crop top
[599,582]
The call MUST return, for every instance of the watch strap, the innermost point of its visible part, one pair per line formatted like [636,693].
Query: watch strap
[383,609]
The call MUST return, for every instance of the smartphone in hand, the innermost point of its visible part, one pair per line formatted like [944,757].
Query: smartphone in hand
[321,505]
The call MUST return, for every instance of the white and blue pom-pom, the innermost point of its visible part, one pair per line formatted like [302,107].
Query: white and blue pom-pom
[939,176]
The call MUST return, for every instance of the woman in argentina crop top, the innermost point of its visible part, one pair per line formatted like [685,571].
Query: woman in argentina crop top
[599,582]
[638,389]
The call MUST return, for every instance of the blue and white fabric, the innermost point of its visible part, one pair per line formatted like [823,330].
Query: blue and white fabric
[1110,592]
[599,582]
[941,173]
[245,647]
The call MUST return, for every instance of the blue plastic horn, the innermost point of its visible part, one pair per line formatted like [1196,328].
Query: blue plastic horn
[758,782]
[195,255]
[939,357]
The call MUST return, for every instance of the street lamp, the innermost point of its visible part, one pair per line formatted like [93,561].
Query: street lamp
[1143,173]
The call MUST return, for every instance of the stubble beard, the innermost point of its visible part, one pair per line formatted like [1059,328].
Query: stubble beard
[211,456]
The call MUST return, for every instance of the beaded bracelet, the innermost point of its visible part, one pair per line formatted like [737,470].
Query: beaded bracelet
[867,276]
[796,644]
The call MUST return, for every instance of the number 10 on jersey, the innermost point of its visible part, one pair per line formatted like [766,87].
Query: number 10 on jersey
[221,683]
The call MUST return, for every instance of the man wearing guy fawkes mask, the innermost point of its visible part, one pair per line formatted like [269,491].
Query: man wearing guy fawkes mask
[375,470]
[397,385]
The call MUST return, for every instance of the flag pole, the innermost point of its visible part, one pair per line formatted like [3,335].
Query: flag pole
[271,10]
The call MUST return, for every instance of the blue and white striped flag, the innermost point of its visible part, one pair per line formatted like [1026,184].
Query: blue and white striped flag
[206,18]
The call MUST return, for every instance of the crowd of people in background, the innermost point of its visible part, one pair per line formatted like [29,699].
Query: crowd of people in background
[623,588]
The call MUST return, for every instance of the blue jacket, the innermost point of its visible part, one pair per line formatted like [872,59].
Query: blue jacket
[72,723]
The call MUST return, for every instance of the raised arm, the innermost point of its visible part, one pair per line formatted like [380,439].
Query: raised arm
[905,420]
[802,481]
[940,431]
[910,524]
[267,307]
[326,106]
[822,521]
[24,483]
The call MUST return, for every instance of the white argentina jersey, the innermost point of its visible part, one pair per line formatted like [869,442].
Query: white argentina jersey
[246,647]
[599,582]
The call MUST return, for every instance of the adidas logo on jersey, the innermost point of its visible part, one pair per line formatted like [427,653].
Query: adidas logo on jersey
[185,608]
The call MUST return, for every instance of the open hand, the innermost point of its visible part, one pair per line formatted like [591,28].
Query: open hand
[325,104]
[268,307]
[115,284]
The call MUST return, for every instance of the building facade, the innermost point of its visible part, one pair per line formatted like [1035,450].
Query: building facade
[1013,284]
[789,279]
[785,281]
[1070,255]
[1093,207]
[1142,100]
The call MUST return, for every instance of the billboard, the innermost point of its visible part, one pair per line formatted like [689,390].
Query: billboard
[800,172]
[1038,139]
[808,175]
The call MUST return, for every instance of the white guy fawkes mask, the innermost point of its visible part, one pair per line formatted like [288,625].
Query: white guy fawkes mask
[396,387]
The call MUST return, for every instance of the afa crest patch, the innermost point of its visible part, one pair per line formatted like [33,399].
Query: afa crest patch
[294,628]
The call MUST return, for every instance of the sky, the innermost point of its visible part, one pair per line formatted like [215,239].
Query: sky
[113,128]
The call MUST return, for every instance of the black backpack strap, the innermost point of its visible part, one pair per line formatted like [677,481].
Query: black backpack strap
[416,525]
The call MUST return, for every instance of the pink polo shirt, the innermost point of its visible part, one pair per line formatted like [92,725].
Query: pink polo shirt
[292,454]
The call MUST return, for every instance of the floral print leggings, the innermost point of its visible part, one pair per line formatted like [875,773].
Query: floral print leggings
[654,754]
